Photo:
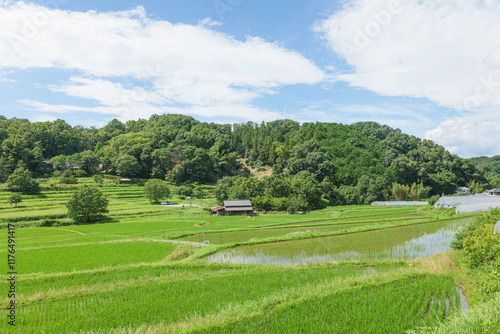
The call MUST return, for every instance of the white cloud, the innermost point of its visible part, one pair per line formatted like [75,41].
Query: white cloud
[43,118]
[127,109]
[468,136]
[444,50]
[165,65]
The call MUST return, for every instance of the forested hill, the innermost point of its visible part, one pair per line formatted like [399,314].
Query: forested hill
[366,156]
[490,167]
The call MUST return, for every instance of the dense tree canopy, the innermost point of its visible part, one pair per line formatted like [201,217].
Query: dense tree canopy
[490,167]
[349,164]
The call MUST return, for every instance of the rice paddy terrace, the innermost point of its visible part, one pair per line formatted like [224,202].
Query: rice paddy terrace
[161,269]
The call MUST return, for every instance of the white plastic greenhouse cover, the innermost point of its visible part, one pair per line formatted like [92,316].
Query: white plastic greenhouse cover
[476,207]
[396,203]
[497,228]
[476,203]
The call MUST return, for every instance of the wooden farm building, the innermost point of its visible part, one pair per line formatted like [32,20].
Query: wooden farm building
[239,207]
[125,181]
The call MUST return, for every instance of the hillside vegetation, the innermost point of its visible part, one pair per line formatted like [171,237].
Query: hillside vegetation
[335,163]
[490,167]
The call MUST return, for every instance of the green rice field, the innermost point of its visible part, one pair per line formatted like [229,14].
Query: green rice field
[167,269]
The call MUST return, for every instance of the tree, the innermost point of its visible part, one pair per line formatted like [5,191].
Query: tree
[184,191]
[87,204]
[127,165]
[59,162]
[156,190]
[330,190]
[89,162]
[400,192]
[5,169]
[307,191]
[347,195]
[22,181]
[15,199]
[178,173]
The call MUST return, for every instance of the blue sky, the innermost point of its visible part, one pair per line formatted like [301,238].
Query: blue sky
[430,67]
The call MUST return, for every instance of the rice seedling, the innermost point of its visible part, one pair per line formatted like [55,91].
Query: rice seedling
[389,308]
[88,256]
[109,276]
[173,296]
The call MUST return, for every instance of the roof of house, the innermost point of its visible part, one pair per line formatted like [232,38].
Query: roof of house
[463,188]
[237,202]
[496,190]
[238,205]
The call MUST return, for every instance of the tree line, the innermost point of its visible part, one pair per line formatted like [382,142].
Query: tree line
[345,164]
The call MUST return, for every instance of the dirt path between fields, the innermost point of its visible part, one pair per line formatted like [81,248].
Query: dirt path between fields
[195,244]
[181,205]
[65,229]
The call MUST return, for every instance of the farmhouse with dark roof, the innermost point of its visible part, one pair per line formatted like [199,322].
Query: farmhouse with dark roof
[494,192]
[239,207]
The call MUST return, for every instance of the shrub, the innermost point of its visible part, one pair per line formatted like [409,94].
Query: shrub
[99,179]
[433,200]
[481,246]
[48,223]
[80,173]
[68,178]
[185,191]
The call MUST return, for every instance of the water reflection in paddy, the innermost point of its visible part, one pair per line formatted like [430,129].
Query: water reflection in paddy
[423,246]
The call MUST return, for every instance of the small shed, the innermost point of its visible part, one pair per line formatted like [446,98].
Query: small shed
[494,192]
[462,190]
[125,181]
[496,230]
[239,207]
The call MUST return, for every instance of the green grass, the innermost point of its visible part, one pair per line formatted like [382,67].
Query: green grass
[384,309]
[485,318]
[129,302]
[134,283]
[89,256]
